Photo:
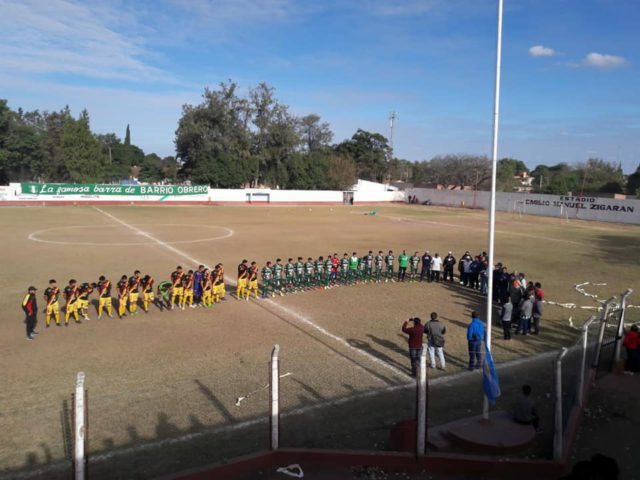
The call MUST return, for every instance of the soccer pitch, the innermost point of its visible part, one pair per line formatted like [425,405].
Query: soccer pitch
[176,375]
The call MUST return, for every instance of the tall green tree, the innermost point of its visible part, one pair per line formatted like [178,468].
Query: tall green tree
[507,169]
[83,156]
[127,136]
[370,152]
[21,152]
[315,134]
[213,141]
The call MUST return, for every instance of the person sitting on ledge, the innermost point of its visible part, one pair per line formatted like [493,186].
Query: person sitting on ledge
[525,410]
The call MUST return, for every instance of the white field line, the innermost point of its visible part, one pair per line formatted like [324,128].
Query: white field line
[286,310]
[444,380]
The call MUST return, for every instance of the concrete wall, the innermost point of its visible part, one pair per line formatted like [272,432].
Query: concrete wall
[13,195]
[583,208]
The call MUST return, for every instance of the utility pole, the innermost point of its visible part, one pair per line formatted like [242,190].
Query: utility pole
[393,116]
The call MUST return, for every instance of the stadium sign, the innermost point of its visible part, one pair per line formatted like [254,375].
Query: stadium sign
[99,189]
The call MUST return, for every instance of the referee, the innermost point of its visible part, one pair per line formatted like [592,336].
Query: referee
[30,307]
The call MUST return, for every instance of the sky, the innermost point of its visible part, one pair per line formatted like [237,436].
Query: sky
[570,77]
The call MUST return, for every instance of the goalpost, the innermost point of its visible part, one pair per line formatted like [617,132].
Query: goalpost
[564,214]
[517,209]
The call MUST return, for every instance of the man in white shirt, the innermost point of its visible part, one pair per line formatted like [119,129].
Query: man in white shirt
[436,267]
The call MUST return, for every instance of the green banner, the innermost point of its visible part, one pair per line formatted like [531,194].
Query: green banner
[99,189]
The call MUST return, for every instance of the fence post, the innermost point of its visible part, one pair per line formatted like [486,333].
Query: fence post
[557,431]
[623,305]
[603,325]
[79,429]
[421,382]
[275,408]
[583,363]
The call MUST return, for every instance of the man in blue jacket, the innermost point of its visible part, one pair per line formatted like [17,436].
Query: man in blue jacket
[475,336]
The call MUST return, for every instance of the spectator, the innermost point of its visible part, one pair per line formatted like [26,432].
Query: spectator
[632,345]
[461,265]
[505,318]
[436,267]
[503,285]
[524,411]
[467,265]
[538,308]
[539,292]
[526,312]
[415,341]
[426,267]
[475,336]
[449,262]
[484,277]
[435,335]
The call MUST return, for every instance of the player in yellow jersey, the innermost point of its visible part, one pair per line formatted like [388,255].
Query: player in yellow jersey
[187,295]
[176,286]
[147,292]
[242,280]
[104,296]
[206,283]
[51,296]
[252,281]
[123,293]
[71,297]
[84,292]
[134,292]
[218,283]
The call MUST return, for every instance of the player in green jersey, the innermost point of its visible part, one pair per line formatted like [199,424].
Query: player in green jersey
[403,263]
[353,267]
[299,274]
[344,269]
[277,277]
[289,276]
[267,280]
[318,268]
[308,273]
[379,261]
[389,263]
[368,266]
[328,266]
[414,261]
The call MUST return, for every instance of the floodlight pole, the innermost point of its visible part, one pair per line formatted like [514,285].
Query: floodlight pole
[492,207]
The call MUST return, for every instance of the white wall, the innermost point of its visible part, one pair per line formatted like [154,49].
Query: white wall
[584,208]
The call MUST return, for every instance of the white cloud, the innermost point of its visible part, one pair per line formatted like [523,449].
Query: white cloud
[61,36]
[601,60]
[541,51]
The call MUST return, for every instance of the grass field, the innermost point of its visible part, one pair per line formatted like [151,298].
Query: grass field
[166,375]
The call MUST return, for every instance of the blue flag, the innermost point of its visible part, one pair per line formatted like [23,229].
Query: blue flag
[490,381]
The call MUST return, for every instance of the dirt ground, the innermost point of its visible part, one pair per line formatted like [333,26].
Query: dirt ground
[171,376]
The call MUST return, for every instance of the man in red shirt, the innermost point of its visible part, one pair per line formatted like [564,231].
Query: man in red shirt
[632,345]
[415,341]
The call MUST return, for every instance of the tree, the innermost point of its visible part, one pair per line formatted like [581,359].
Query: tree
[370,152]
[21,152]
[598,175]
[315,135]
[460,170]
[170,168]
[151,169]
[341,172]
[213,141]
[82,153]
[633,182]
[55,168]
[507,169]
[127,136]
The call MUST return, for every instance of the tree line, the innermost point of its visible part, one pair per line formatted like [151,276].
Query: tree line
[232,140]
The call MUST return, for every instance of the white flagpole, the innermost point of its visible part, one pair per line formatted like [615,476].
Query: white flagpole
[492,207]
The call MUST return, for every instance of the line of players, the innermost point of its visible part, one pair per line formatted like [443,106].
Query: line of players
[206,287]
[292,277]
[203,286]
